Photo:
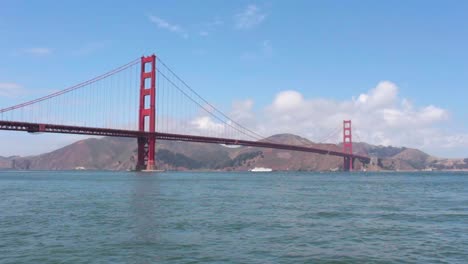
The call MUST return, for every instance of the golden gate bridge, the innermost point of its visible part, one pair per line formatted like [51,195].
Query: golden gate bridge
[146,100]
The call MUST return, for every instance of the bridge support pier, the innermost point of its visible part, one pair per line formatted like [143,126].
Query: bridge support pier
[348,164]
[151,163]
[142,143]
[146,154]
[147,115]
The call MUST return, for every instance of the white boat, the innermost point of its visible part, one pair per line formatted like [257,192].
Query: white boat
[261,169]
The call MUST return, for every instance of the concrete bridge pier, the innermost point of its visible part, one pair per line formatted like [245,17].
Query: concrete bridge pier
[348,163]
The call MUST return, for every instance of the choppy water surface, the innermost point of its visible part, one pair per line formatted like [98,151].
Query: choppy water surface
[108,217]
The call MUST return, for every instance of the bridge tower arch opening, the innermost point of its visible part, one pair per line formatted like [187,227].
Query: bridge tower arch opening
[147,114]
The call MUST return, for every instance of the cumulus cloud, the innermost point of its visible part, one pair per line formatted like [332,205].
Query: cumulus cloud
[377,114]
[288,100]
[205,125]
[384,94]
[380,116]
[249,18]
[163,24]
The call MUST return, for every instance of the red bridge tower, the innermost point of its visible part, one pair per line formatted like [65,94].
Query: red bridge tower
[147,114]
[347,145]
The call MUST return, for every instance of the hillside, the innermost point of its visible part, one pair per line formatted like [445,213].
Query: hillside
[5,162]
[120,154]
[402,158]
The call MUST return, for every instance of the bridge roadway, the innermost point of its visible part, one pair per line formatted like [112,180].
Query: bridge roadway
[49,128]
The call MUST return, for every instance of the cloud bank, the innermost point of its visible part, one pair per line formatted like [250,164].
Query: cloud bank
[380,116]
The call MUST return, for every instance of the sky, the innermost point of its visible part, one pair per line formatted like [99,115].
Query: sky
[398,69]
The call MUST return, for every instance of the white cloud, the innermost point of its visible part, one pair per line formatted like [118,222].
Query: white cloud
[384,94]
[431,114]
[379,117]
[163,24]
[205,124]
[10,89]
[38,51]
[288,100]
[249,18]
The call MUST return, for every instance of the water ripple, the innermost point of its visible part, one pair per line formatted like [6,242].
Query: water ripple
[113,217]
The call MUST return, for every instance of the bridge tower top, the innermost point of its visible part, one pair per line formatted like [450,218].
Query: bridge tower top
[347,137]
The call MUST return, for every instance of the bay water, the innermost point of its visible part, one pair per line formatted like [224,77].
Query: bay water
[233,217]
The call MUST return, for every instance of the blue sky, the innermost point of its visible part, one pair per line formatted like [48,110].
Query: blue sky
[254,54]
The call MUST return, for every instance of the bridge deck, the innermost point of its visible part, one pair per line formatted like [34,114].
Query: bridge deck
[50,128]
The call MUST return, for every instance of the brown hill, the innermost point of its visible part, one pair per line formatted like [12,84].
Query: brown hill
[92,153]
[120,154]
[5,162]
[415,158]
[293,160]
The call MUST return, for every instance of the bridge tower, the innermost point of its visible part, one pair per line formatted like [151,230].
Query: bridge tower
[347,145]
[147,114]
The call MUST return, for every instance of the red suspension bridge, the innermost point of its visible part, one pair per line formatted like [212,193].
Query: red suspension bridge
[145,99]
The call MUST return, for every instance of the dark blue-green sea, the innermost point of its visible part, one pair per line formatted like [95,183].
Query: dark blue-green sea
[182,217]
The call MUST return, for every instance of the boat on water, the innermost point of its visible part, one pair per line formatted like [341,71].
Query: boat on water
[261,169]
